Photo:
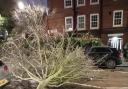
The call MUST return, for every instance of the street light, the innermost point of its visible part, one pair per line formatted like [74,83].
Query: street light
[21,5]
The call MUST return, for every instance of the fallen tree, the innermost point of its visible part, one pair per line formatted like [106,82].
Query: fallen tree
[34,55]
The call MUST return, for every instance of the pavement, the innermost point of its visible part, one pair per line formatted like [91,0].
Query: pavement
[124,64]
[116,87]
[112,78]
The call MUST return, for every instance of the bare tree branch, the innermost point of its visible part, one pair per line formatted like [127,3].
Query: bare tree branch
[41,57]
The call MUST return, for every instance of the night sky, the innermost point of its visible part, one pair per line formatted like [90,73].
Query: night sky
[37,2]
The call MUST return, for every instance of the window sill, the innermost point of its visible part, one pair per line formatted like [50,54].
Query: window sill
[81,5]
[94,3]
[81,29]
[96,28]
[67,7]
[117,26]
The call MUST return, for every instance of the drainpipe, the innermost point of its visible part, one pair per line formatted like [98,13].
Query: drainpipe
[75,17]
[101,17]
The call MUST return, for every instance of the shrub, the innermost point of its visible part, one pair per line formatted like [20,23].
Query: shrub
[125,51]
[83,42]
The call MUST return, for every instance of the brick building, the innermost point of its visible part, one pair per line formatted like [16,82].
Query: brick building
[107,19]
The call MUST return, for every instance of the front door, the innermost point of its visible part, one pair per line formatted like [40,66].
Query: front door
[115,41]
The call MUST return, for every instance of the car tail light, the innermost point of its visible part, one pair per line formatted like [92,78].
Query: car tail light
[5,68]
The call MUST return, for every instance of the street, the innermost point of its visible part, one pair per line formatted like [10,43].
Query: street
[112,78]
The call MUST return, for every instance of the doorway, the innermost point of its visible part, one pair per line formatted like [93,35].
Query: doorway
[115,41]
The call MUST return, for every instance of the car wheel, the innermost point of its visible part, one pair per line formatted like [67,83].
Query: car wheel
[111,64]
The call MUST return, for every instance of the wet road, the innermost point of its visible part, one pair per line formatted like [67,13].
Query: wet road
[123,67]
[112,78]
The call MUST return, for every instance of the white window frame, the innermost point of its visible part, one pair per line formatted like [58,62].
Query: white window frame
[67,6]
[97,21]
[116,11]
[69,17]
[78,22]
[94,3]
[80,4]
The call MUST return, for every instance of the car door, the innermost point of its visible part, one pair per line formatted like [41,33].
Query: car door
[99,54]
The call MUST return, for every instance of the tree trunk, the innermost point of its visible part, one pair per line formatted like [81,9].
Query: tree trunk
[42,85]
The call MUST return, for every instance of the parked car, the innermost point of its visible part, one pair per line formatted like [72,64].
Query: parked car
[105,56]
[4,74]
[3,34]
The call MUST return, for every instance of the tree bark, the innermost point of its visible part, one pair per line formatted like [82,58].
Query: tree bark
[42,85]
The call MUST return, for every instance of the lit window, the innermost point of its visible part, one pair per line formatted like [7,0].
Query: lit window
[69,23]
[94,2]
[94,21]
[67,3]
[118,18]
[80,2]
[81,22]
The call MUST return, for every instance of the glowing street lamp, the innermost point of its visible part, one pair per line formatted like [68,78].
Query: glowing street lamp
[21,5]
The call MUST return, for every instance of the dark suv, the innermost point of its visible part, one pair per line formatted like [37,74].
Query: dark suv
[105,56]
